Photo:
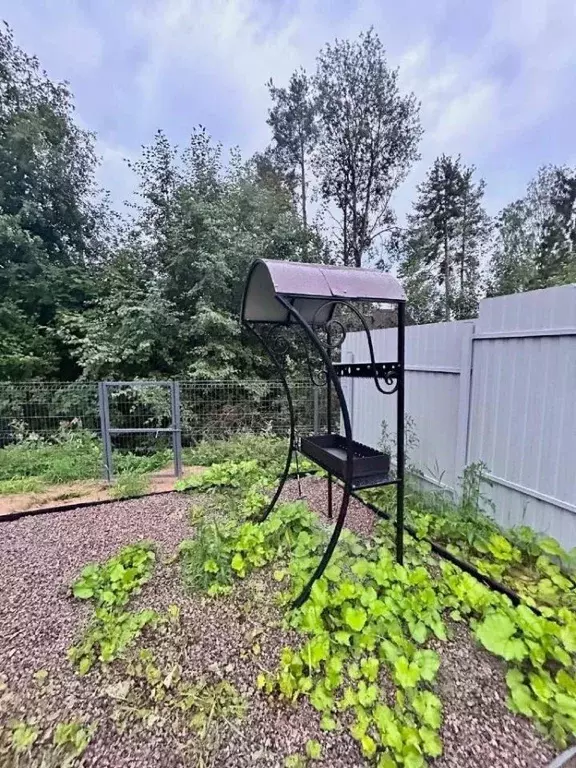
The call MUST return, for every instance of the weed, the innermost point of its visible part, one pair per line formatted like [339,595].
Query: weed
[110,585]
[21,485]
[129,485]
[24,736]
[70,741]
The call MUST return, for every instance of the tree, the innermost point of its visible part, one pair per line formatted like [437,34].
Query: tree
[368,134]
[292,119]
[512,265]
[535,243]
[443,243]
[51,224]
[556,256]
[169,297]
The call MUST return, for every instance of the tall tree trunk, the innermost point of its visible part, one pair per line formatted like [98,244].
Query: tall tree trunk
[446,273]
[463,257]
[303,182]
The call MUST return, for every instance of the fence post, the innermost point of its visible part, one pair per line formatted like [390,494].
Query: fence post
[177,432]
[104,413]
[465,388]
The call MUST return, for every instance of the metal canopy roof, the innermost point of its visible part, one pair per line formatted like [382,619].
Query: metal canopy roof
[309,287]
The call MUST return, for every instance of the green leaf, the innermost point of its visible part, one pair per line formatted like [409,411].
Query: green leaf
[328,723]
[431,742]
[294,761]
[420,632]
[321,699]
[361,567]
[82,592]
[428,663]
[388,727]
[496,633]
[520,693]
[368,746]
[355,618]
[406,673]
[316,650]
[354,671]
[413,758]
[369,668]
[367,694]
[429,707]
[279,575]
[313,749]
[566,705]
[85,665]
[541,685]
[342,637]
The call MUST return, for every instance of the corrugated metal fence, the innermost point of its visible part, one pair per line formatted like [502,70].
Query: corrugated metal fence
[499,389]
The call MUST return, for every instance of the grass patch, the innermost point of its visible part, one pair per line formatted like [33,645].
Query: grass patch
[73,455]
[129,485]
[21,485]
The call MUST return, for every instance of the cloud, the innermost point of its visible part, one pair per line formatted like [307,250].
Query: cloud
[490,76]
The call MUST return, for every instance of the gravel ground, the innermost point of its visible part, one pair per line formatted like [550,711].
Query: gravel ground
[358,517]
[232,638]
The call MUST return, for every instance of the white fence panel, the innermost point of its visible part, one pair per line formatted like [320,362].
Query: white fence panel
[523,408]
[435,355]
[500,389]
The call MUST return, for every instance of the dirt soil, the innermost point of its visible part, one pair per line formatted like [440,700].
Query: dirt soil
[81,491]
[232,638]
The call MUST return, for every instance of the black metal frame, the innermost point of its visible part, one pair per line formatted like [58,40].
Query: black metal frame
[388,378]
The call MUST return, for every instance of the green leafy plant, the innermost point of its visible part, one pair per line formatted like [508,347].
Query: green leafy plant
[23,737]
[110,586]
[70,741]
[369,618]
[112,583]
[221,552]
[129,485]
[229,474]
[108,635]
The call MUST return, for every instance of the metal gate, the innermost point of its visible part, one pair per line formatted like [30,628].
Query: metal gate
[108,430]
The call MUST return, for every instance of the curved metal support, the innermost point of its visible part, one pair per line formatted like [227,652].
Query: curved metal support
[331,373]
[390,381]
[284,381]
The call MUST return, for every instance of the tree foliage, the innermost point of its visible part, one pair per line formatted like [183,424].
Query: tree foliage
[50,223]
[170,297]
[157,294]
[440,251]
[368,134]
[535,243]
[294,131]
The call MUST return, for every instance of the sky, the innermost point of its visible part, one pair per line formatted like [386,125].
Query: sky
[496,78]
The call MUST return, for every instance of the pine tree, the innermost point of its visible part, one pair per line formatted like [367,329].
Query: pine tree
[556,256]
[443,243]
[293,123]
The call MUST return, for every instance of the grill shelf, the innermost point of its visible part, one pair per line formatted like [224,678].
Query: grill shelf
[370,468]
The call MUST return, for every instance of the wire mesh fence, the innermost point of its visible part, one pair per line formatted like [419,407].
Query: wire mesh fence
[45,414]
[43,409]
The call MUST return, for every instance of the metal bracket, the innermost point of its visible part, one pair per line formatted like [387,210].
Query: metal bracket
[385,371]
